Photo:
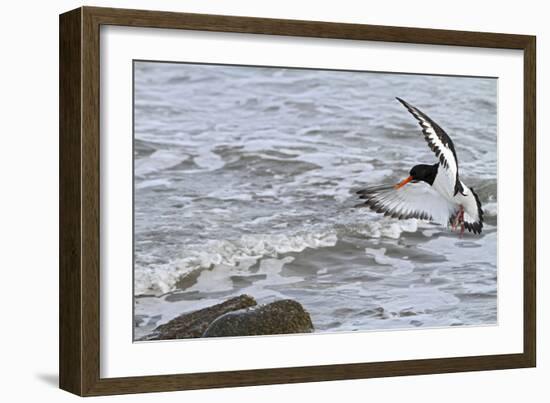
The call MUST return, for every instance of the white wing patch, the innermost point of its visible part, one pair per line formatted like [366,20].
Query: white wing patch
[442,146]
[473,213]
[415,200]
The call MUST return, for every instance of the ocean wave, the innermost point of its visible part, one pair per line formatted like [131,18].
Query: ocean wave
[401,266]
[239,255]
[158,161]
[161,279]
[490,209]
[383,227]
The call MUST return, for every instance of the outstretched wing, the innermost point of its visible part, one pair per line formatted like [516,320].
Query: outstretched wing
[440,143]
[416,200]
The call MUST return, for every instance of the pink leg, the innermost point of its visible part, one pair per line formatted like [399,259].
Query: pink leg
[459,221]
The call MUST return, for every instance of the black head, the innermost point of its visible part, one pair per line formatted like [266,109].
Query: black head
[423,172]
[419,173]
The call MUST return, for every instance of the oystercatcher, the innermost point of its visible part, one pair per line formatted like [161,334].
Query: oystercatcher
[430,192]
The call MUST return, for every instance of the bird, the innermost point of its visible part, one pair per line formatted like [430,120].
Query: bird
[432,192]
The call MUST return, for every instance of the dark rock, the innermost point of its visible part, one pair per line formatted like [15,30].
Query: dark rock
[193,324]
[279,317]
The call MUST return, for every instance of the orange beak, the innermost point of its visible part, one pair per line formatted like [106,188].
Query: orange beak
[403,182]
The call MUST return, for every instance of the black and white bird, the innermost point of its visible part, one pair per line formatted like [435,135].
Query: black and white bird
[430,192]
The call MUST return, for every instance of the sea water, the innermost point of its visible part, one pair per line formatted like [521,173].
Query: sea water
[244,181]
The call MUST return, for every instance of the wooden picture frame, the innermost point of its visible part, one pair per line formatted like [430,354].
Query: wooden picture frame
[79,347]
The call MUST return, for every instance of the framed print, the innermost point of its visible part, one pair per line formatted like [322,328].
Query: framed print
[249,201]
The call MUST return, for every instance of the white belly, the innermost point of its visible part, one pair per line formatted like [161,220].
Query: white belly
[466,199]
[443,186]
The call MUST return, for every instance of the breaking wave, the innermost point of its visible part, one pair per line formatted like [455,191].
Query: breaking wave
[248,249]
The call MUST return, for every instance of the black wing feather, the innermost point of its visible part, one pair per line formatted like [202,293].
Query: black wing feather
[443,137]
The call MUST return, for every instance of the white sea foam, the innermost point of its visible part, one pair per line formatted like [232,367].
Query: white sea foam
[387,228]
[402,266]
[208,160]
[272,268]
[429,232]
[153,183]
[420,299]
[160,279]
[158,161]
[490,209]
[229,194]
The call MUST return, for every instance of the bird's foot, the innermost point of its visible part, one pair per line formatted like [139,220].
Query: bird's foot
[458,222]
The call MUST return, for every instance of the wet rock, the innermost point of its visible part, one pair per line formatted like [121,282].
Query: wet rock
[279,317]
[194,324]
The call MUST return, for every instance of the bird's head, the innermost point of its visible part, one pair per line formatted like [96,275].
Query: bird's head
[421,172]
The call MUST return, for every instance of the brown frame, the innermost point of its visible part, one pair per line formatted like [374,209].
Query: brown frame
[79,201]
